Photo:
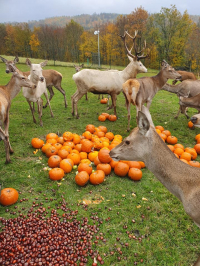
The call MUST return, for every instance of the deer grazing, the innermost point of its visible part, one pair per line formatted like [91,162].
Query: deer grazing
[184,75]
[142,90]
[107,82]
[52,77]
[7,93]
[181,179]
[187,88]
[35,96]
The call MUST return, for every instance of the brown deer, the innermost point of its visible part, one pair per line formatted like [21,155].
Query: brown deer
[187,88]
[181,179]
[107,82]
[7,93]
[52,77]
[142,90]
[184,75]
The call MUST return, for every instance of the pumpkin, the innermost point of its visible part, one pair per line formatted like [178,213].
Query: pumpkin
[142,164]
[171,147]
[60,140]
[104,167]
[106,115]
[57,145]
[110,136]
[92,155]
[66,165]
[63,153]
[83,155]
[45,146]
[78,147]
[86,161]
[197,148]
[104,155]
[194,163]
[178,151]
[121,169]
[192,151]
[87,146]
[69,143]
[100,134]
[185,161]
[163,136]
[113,163]
[51,136]
[82,178]
[112,118]
[85,167]
[97,177]
[98,144]
[67,148]
[103,128]
[190,125]
[96,160]
[135,174]
[178,145]
[172,140]
[8,196]
[54,161]
[76,139]
[51,151]
[67,136]
[87,135]
[161,128]
[104,100]
[37,143]
[74,157]
[197,136]
[51,141]
[186,155]
[90,128]
[133,164]
[56,173]
[101,118]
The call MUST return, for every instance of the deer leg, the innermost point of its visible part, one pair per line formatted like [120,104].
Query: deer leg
[40,106]
[50,89]
[86,97]
[76,99]
[32,111]
[63,93]
[72,100]
[6,144]
[114,99]
[48,102]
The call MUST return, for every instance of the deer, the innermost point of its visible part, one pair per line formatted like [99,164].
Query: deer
[35,96]
[142,90]
[7,93]
[108,82]
[52,77]
[187,88]
[181,179]
[184,75]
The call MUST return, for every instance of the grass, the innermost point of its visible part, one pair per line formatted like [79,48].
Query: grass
[169,237]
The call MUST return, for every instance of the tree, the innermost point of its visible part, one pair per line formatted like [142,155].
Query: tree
[2,38]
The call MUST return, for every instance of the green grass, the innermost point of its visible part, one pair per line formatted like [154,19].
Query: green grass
[169,237]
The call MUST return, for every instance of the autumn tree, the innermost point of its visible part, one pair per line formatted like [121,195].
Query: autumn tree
[2,38]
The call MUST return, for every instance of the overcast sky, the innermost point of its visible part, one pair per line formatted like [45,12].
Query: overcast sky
[27,10]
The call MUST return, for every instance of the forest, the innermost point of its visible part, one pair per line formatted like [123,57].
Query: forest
[169,35]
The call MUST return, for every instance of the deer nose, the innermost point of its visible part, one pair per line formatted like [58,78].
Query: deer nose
[41,79]
[193,119]
[7,71]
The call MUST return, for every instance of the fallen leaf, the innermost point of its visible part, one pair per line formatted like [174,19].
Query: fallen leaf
[133,194]
[144,199]
[139,206]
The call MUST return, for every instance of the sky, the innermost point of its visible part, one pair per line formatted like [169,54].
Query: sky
[27,10]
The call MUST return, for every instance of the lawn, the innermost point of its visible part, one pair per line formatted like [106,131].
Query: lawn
[155,231]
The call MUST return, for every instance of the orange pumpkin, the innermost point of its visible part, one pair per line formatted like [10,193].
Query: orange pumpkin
[67,136]
[74,157]
[66,165]
[171,147]
[121,169]
[197,148]
[51,136]
[172,140]
[133,164]
[192,151]
[197,136]
[90,128]
[166,132]
[83,155]
[104,100]
[85,167]
[76,139]
[135,174]
[96,160]
[92,155]
[56,173]
[60,140]
[8,196]
[66,147]
[110,136]
[51,141]
[113,163]
[57,145]
[82,178]
[63,153]
[104,167]
[106,115]
[142,164]
[87,146]
[194,163]
[178,151]
[87,135]
[161,128]
[45,146]
[103,128]
[97,177]
[104,155]
[178,145]
[186,155]
[69,143]
[37,143]
[51,151]
[101,118]
[112,118]
[54,161]
[78,147]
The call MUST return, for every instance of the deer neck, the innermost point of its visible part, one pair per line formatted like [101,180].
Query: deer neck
[129,72]
[12,88]
[160,80]
[175,175]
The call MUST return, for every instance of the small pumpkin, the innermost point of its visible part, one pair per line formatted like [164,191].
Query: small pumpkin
[74,157]
[87,146]
[85,167]
[67,136]
[66,165]
[51,150]
[54,161]
[90,128]
[191,125]
[112,118]
[101,118]
[97,177]
[172,140]
[8,196]
[37,143]
[104,156]
[135,174]
[197,148]
[104,167]
[104,100]
[51,136]
[56,173]
[82,178]
[121,169]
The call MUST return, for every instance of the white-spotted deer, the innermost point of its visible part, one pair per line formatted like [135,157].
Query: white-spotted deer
[7,93]
[35,96]
[181,179]
[142,90]
[107,82]
[53,78]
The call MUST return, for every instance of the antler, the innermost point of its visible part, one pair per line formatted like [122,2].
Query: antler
[135,46]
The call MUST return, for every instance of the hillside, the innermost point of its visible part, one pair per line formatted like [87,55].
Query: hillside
[85,20]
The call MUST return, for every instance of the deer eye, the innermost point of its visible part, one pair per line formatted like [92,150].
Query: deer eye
[127,142]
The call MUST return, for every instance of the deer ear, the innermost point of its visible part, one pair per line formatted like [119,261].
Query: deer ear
[16,60]
[145,111]
[143,123]
[3,59]
[130,58]
[43,64]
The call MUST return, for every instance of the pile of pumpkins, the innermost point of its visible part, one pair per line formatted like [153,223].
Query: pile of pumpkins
[83,152]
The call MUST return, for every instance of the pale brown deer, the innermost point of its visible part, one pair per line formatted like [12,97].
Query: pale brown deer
[107,82]
[142,90]
[52,77]
[181,179]
[7,93]
[187,88]
[184,75]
